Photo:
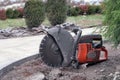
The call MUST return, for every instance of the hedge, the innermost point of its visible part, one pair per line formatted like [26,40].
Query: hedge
[74,11]
[56,11]
[34,12]
[84,9]
[9,13]
[93,9]
[21,12]
[3,14]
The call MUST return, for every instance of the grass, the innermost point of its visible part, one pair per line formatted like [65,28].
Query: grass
[12,23]
[83,21]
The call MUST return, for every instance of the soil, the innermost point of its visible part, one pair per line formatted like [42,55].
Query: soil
[107,70]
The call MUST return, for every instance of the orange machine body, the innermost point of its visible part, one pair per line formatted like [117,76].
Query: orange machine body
[86,53]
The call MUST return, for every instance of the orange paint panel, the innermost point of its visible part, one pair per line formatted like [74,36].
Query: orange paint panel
[85,48]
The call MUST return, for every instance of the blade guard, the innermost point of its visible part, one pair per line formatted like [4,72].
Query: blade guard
[85,49]
[65,43]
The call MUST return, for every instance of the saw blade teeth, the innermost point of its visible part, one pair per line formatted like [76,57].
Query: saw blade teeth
[41,52]
[44,39]
[42,43]
[47,52]
[41,48]
[41,56]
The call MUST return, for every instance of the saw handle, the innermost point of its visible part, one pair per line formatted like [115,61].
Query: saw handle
[102,49]
[105,53]
[75,30]
[76,41]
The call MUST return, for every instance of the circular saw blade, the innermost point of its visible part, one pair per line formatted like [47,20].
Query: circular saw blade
[50,52]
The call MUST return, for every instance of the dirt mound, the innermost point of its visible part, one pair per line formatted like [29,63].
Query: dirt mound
[108,70]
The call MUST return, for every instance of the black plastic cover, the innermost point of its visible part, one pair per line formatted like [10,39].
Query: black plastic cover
[65,42]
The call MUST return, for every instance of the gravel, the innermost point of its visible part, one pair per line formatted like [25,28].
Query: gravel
[19,32]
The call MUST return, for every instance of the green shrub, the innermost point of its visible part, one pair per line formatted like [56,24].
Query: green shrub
[16,14]
[103,7]
[74,11]
[112,20]
[98,9]
[9,13]
[56,11]
[91,9]
[68,10]
[34,12]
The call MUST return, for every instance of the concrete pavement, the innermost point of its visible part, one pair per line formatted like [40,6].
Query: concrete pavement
[12,50]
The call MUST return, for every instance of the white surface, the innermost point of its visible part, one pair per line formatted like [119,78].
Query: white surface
[12,50]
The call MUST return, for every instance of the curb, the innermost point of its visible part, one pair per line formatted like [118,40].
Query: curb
[10,67]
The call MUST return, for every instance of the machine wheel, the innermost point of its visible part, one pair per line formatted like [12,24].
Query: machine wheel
[50,52]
